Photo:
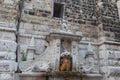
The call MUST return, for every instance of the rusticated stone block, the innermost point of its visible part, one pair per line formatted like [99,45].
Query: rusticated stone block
[6,76]
[7,45]
[8,66]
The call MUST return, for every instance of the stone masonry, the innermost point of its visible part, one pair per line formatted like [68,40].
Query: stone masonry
[90,30]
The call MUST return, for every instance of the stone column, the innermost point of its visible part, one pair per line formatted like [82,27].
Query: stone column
[74,51]
[57,53]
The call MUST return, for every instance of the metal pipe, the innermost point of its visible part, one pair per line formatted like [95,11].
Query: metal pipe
[21,3]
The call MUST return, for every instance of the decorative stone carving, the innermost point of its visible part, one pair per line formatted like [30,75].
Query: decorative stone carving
[41,47]
[7,56]
[89,61]
[7,45]
[8,66]
[66,45]
[65,26]
[74,51]
[6,76]
[65,57]
[89,65]
[110,71]
[42,67]
[66,53]
[57,51]
[113,58]
[31,50]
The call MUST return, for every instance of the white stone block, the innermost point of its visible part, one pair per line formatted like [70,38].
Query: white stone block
[102,54]
[7,45]
[6,76]
[40,46]
[41,67]
[8,66]
[30,54]
[28,26]
[110,70]
[7,35]
[111,78]
[8,56]
[9,2]
[28,6]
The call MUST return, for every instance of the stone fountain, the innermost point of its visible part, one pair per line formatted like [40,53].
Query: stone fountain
[60,60]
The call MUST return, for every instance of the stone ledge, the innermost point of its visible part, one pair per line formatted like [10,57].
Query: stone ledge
[64,35]
[4,9]
[29,36]
[74,74]
[92,75]
[7,29]
[59,74]
[100,43]
[25,74]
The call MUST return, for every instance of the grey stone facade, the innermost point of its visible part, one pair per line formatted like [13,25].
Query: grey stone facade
[86,31]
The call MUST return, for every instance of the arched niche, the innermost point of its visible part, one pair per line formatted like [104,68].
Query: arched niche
[65,63]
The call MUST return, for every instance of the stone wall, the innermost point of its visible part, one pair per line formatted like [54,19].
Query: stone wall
[73,11]
[8,45]
[89,9]
[110,18]
[97,20]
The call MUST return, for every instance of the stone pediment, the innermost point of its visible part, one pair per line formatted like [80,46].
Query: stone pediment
[60,35]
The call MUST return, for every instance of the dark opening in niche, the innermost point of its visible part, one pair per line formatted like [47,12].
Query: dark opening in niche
[58,10]
[65,63]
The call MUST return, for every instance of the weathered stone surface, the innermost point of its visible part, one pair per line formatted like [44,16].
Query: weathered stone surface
[43,67]
[96,20]
[34,66]
[8,66]
[7,56]
[9,2]
[110,70]
[7,35]
[6,76]
[7,45]
[118,6]
[31,50]
[7,24]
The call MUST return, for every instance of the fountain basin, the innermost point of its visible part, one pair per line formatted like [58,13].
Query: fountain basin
[59,75]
